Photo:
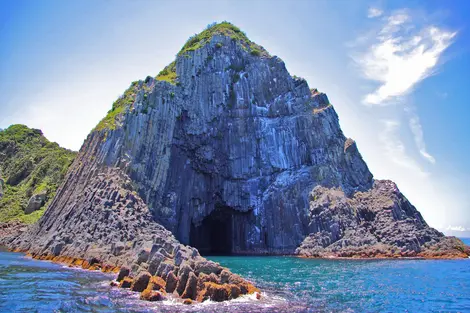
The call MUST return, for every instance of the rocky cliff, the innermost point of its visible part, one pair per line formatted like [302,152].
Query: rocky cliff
[226,155]
[379,222]
[31,170]
[221,152]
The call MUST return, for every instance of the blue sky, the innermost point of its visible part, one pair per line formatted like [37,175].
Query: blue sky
[397,72]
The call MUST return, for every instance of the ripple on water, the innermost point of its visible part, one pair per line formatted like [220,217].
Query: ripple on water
[288,284]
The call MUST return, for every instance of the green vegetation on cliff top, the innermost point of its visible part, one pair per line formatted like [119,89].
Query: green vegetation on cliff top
[169,75]
[119,107]
[226,29]
[29,164]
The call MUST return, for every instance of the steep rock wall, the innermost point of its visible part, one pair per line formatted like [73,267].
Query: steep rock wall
[237,134]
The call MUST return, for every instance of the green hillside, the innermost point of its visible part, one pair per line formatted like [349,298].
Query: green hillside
[30,165]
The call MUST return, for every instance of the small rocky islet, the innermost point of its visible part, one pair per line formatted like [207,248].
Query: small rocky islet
[222,152]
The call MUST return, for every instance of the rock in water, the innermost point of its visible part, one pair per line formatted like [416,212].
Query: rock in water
[220,151]
[123,272]
[141,282]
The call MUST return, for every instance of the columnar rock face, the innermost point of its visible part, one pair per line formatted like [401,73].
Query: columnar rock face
[221,152]
[225,159]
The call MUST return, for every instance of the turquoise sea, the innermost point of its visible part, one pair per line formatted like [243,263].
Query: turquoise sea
[289,285]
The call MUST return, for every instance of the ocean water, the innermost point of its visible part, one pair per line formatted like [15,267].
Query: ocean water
[289,285]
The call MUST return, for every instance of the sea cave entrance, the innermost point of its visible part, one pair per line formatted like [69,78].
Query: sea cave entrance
[214,235]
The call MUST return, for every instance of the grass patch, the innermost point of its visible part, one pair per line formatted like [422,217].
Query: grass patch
[119,107]
[168,74]
[226,29]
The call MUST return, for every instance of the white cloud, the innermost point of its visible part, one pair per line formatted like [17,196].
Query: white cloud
[401,56]
[374,12]
[395,149]
[457,228]
[417,130]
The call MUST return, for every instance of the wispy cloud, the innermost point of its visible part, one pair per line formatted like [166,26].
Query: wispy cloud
[401,55]
[374,12]
[395,149]
[457,228]
[417,130]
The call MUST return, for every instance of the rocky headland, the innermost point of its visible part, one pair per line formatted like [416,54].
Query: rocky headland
[223,152]
[377,223]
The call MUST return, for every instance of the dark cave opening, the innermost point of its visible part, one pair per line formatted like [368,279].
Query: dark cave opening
[214,236]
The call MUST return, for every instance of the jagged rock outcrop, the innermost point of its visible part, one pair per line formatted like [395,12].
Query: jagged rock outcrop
[379,222]
[220,152]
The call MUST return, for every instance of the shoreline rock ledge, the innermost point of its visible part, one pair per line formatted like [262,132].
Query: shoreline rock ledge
[223,152]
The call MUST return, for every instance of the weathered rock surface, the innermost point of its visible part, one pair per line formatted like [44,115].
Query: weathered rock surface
[35,202]
[111,226]
[12,229]
[2,183]
[379,222]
